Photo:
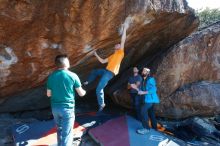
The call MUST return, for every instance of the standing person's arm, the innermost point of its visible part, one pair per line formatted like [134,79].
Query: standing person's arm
[140,92]
[100,59]
[77,85]
[138,83]
[49,93]
[80,91]
[132,85]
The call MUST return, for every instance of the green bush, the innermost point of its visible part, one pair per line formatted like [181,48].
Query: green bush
[208,16]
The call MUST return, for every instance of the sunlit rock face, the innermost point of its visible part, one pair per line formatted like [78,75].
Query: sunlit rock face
[33,32]
[187,76]
[202,98]
[195,59]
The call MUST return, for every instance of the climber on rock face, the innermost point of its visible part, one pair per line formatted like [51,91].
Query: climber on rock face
[110,71]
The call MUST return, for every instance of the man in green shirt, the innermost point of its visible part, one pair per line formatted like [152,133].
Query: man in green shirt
[61,86]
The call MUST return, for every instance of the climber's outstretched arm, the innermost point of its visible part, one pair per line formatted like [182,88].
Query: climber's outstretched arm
[123,38]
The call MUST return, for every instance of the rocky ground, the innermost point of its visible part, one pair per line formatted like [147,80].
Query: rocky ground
[195,130]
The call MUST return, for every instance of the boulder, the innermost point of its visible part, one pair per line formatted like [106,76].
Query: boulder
[198,99]
[195,130]
[196,58]
[34,32]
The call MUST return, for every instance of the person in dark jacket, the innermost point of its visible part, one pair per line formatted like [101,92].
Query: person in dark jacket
[150,99]
[134,83]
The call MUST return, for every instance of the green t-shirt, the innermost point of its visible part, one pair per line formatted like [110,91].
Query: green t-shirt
[62,84]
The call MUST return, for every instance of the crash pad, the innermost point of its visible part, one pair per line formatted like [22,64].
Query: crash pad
[121,131]
[44,132]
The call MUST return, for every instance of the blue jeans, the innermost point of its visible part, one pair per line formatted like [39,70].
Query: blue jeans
[136,103]
[148,109]
[64,119]
[105,77]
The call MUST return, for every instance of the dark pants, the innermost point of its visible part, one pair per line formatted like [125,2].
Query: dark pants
[147,110]
[136,103]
